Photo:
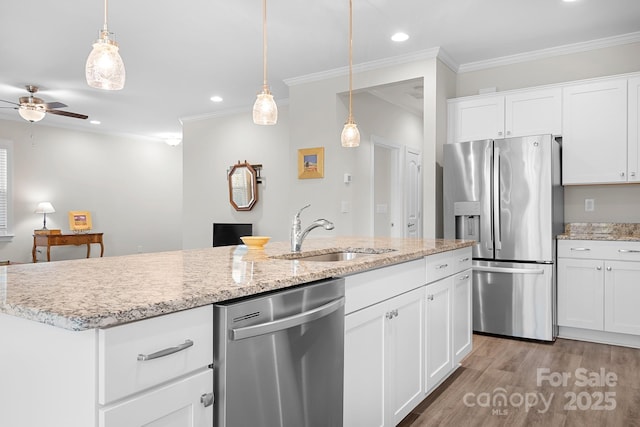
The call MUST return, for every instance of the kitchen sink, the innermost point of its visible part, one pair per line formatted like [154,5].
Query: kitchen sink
[333,256]
[341,255]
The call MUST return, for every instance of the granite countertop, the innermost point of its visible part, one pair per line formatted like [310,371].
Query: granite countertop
[103,292]
[601,231]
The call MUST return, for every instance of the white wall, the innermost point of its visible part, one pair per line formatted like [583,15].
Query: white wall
[317,117]
[132,187]
[214,145]
[614,203]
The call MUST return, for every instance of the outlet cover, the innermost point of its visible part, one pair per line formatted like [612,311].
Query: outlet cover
[589,205]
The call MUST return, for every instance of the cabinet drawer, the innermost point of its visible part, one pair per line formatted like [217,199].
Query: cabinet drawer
[176,404]
[371,287]
[120,372]
[447,263]
[606,250]
[439,266]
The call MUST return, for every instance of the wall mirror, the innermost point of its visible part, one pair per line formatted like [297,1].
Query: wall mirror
[243,186]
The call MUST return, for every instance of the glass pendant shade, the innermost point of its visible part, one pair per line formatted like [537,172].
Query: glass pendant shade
[105,69]
[31,113]
[265,110]
[350,134]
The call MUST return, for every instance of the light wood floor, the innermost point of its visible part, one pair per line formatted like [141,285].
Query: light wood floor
[510,367]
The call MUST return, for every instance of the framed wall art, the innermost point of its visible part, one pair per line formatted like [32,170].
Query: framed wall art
[79,221]
[311,163]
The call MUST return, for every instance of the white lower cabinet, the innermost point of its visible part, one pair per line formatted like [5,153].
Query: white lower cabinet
[439,331]
[384,344]
[383,361]
[448,326]
[180,404]
[599,288]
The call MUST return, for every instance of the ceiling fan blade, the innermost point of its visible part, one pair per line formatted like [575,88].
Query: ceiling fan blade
[52,105]
[67,113]
[10,102]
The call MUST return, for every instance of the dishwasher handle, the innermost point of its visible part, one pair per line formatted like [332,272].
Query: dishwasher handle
[286,322]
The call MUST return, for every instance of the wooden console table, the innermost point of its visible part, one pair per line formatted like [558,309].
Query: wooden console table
[49,240]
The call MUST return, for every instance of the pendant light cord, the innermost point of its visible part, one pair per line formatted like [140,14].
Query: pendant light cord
[350,58]
[264,44]
[106,10]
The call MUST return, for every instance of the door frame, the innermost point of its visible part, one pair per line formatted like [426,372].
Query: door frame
[396,204]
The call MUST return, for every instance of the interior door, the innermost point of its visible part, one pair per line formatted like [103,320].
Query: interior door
[413,195]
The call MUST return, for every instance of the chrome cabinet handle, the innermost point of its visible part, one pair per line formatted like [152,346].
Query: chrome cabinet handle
[580,249]
[464,259]
[391,314]
[207,399]
[465,277]
[608,268]
[629,251]
[430,297]
[598,268]
[166,351]
[442,266]
[621,174]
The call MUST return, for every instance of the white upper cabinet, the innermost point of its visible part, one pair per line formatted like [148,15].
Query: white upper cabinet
[531,112]
[476,119]
[594,143]
[633,160]
[534,112]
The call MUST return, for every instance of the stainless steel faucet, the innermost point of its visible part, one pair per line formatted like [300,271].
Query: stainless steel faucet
[297,236]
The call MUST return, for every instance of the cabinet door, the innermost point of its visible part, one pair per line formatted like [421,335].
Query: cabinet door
[462,316]
[594,124]
[581,293]
[476,119]
[405,353]
[633,160]
[364,367]
[438,330]
[534,113]
[175,405]
[622,293]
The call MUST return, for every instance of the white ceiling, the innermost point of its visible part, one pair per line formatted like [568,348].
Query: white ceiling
[180,53]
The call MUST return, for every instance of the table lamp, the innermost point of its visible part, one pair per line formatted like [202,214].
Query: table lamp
[44,208]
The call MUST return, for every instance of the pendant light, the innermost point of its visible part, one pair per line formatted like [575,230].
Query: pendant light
[265,110]
[104,68]
[350,135]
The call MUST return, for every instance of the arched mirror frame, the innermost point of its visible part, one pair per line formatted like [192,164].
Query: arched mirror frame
[253,184]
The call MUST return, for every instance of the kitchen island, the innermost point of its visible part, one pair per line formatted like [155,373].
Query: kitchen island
[61,323]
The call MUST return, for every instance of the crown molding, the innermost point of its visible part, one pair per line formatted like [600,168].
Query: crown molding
[551,52]
[435,52]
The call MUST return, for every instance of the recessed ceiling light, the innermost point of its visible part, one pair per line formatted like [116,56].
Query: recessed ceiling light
[216,98]
[569,1]
[94,122]
[400,37]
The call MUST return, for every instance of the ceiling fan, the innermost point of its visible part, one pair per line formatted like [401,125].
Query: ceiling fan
[34,109]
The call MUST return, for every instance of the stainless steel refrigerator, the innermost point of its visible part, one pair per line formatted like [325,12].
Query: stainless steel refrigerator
[507,196]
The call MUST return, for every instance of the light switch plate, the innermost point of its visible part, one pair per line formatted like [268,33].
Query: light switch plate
[589,205]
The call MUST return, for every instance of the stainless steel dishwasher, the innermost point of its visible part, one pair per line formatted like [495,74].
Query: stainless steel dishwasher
[279,358]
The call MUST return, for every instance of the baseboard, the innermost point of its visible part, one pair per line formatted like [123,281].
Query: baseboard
[602,337]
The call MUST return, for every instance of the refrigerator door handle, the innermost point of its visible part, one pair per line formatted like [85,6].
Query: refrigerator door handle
[496,199]
[509,270]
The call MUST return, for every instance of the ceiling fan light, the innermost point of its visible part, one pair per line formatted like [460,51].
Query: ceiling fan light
[265,110]
[31,113]
[350,135]
[104,68]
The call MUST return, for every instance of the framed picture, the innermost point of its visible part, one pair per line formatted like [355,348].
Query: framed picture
[79,220]
[311,163]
